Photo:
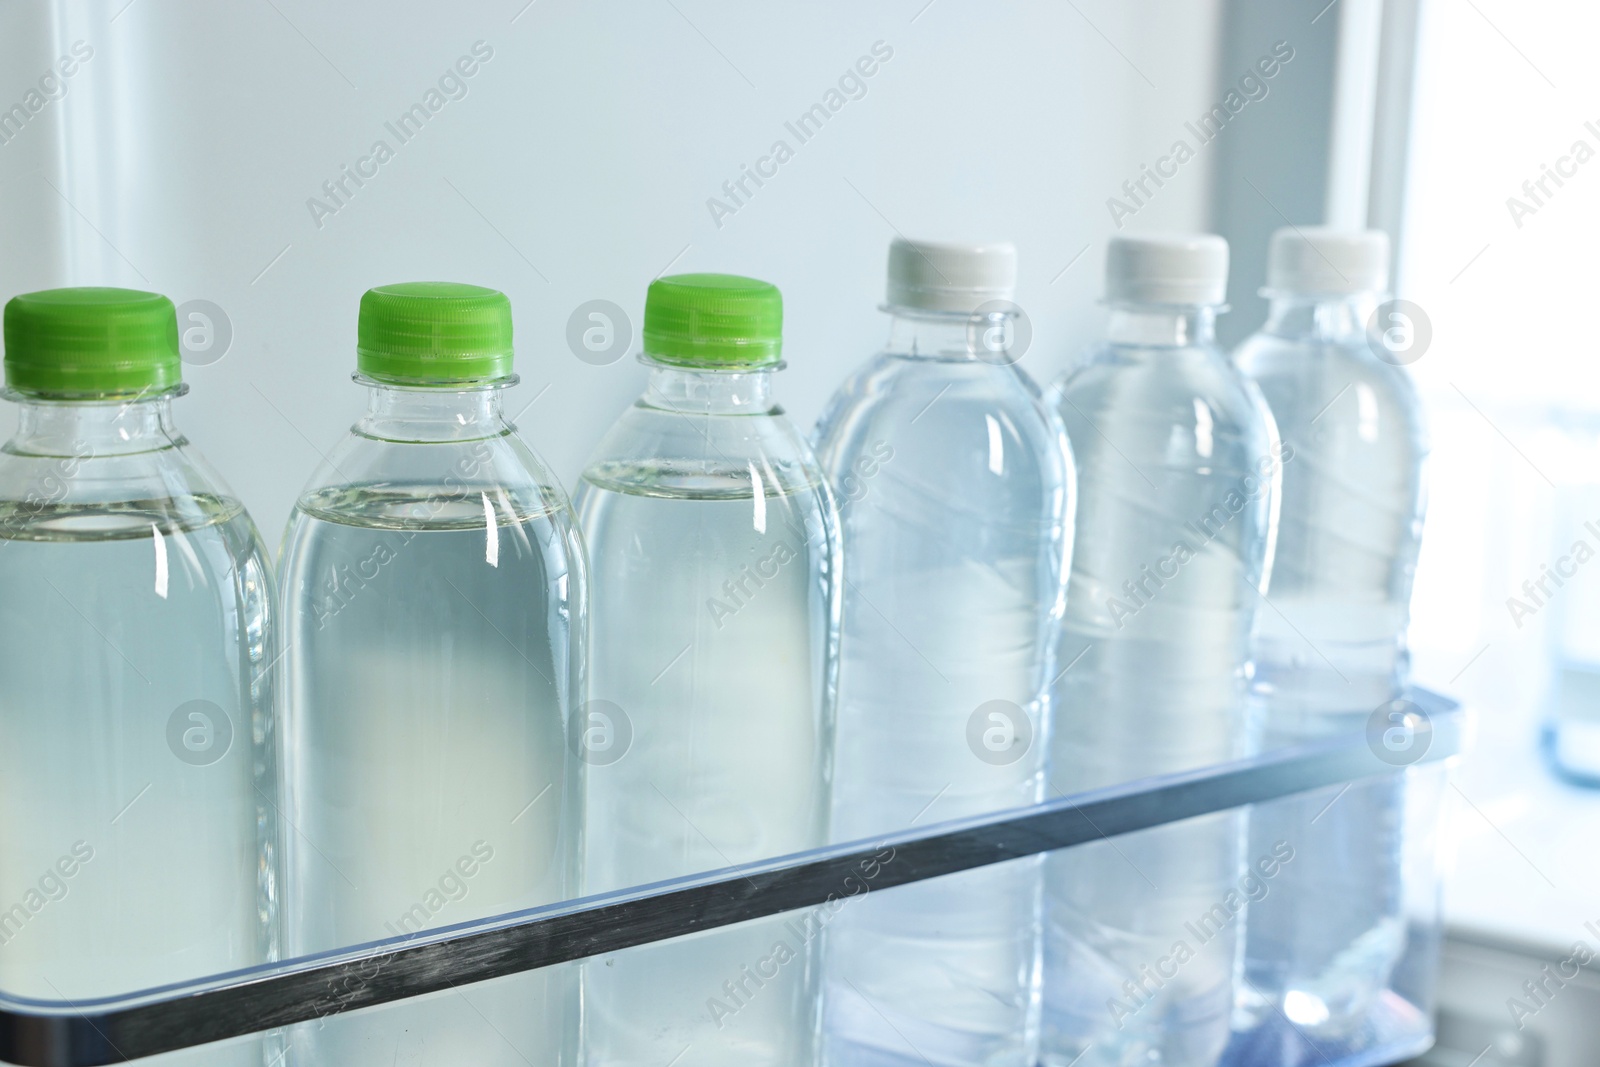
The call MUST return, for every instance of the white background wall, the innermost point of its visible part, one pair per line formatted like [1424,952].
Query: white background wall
[577,167]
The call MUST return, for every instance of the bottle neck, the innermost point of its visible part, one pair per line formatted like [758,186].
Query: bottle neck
[1152,326]
[453,413]
[1324,318]
[951,335]
[704,391]
[85,428]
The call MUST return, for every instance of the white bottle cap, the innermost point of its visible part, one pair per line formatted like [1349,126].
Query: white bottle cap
[1167,268]
[935,276]
[1321,260]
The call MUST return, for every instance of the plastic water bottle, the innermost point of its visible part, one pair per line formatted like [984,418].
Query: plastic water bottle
[1323,942]
[434,607]
[715,551]
[954,484]
[136,639]
[1178,466]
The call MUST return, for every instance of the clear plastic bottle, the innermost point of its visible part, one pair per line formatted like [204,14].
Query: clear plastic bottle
[136,638]
[1178,464]
[716,553]
[434,589]
[954,484]
[1323,943]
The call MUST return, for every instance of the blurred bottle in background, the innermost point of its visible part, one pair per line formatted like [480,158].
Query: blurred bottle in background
[1177,464]
[434,592]
[137,636]
[1568,582]
[1331,650]
[715,552]
[954,484]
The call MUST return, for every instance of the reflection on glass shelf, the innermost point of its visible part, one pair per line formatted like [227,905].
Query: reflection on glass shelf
[1394,1029]
[1359,990]
[380,984]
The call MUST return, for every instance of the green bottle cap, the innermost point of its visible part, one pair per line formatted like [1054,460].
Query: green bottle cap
[91,342]
[713,320]
[434,333]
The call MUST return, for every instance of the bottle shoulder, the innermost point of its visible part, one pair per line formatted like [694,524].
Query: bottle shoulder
[932,407]
[701,452]
[1329,387]
[1183,386]
[78,492]
[1267,356]
[901,378]
[370,481]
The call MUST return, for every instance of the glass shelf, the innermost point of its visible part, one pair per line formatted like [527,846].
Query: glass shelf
[39,1033]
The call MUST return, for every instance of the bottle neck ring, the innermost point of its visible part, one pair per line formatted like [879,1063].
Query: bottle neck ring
[990,335]
[1163,325]
[434,413]
[89,428]
[708,390]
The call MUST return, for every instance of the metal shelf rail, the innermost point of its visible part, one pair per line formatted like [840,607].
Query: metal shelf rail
[37,1033]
